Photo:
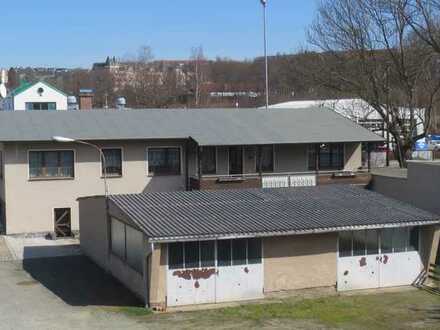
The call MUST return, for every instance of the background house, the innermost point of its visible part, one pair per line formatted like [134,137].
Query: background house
[35,96]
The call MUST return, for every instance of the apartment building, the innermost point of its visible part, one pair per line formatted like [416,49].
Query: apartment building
[165,151]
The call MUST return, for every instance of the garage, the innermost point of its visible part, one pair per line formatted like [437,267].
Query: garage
[204,272]
[378,258]
[203,247]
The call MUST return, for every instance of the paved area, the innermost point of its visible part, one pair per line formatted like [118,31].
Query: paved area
[61,293]
[39,247]
[5,254]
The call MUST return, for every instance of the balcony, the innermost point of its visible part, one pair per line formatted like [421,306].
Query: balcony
[279,180]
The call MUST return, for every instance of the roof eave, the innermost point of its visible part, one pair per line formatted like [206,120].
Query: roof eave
[208,237]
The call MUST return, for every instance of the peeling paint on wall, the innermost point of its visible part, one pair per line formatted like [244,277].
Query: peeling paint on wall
[195,274]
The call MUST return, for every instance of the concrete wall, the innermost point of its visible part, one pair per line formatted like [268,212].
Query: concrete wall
[421,188]
[31,95]
[297,262]
[30,203]
[352,156]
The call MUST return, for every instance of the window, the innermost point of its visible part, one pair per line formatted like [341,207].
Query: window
[113,162]
[1,164]
[267,161]
[366,242]
[331,157]
[254,251]
[209,160]
[192,255]
[175,255]
[127,243]
[207,254]
[235,160]
[41,106]
[224,253]
[51,164]
[164,161]
[345,240]
[239,247]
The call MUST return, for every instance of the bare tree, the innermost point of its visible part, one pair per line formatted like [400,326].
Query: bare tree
[198,60]
[370,51]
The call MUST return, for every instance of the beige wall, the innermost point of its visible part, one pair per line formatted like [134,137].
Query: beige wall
[298,262]
[430,237]
[158,276]
[353,156]
[30,204]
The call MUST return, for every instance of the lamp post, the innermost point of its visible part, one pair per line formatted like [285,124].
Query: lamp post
[264,3]
[63,139]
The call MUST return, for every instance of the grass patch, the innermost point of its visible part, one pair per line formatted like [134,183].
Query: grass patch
[133,311]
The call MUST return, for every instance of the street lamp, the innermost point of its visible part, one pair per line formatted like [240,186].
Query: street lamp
[63,139]
[264,3]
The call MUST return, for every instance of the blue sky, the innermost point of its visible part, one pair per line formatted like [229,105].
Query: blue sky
[78,33]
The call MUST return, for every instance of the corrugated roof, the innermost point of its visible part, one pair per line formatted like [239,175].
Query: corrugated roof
[258,212]
[206,126]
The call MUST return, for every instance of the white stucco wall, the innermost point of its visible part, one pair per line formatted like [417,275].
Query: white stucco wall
[30,204]
[31,95]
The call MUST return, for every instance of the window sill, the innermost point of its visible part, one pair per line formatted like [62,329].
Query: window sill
[52,179]
[111,177]
[162,175]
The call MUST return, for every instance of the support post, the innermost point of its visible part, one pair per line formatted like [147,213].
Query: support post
[369,156]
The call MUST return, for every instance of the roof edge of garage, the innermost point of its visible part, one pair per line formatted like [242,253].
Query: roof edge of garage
[286,233]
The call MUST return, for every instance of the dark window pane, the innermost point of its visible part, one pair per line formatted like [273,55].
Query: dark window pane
[386,240]
[51,164]
[331,156]
[207,254]
[345,239]
[175,255]
[372,241]
[235,160]
[414,239]
[224,253]
[359,243]
[164,161]
[239,252]
[113,162]
[312,158]
[209,159]
[192,255]
[267,159]
[254,251]
[400,236]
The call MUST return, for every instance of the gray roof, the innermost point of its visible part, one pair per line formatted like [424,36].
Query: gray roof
[264,212]
[206,126]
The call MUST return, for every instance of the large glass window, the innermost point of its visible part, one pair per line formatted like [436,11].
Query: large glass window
[209,160]
[118,238]
[113,162]
[267,161]
[41,106]
[372,242]
[51,164]
[235,160]
[386,240]
[345,241]
[192,255]
[330,158]
[254,251]
[239,247]
[207,254]
[359,243]
[164,161]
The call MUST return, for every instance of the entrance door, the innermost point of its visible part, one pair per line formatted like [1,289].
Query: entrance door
[62,221]
[358,262]
[240,270]
[375,259]
[400,260]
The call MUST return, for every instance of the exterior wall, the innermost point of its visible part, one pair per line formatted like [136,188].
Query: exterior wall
[430,239]
[95,245]
[31,95]
[2,189]
[352,156]
[157,277]
[42,196]
[421,188]
[298,262]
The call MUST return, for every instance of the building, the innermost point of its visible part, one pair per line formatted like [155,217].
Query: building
[35,96]
[185,248]
[357,110]
[165,150]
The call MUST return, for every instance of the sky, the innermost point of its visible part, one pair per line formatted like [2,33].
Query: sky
[64,33]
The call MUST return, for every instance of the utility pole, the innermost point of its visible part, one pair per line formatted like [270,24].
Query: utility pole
[264,3]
